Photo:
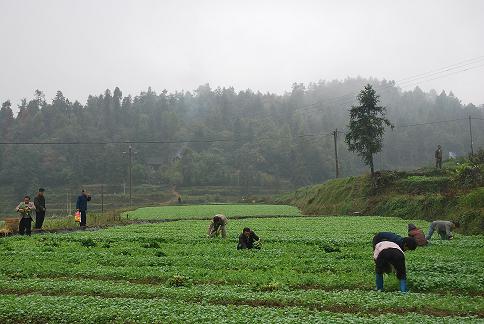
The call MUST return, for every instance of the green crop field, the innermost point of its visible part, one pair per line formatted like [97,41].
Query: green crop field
[207,211]
[314,270]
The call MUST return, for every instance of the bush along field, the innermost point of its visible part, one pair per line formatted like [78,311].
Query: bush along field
[310,269]
[455,193]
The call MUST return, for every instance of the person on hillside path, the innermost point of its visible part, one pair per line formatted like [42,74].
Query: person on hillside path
[248,240]
[444,228]
[404,243]
[39,202]
[417,234]
[25,209]
[388,256]
[218,226]
[81,206]
[438,157]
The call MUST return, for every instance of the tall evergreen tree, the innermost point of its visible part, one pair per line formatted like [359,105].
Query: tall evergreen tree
[367,126]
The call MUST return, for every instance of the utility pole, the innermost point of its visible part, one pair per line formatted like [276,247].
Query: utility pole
[102,198]
[470,132]
[130,149]
[335,136]
[130,157]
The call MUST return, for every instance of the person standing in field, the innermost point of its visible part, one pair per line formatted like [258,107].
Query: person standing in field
[217,226]
[404,243]
[25,209]
[248,240]
[444,228]
[438,157]
[417,234]
[39,202]
[388,256]
[81,206]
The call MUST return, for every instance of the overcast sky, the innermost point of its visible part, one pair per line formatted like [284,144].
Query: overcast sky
[84,47]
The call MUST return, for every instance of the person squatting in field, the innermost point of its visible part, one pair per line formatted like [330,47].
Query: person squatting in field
[248,240]
[217,226]
[404,243]
[444,228]
[81,206]
[25,209]
[417,234]
[389,257]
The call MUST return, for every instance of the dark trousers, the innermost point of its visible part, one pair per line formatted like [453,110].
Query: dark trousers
[438,163]
[25,226]
[83,218]
[39,219]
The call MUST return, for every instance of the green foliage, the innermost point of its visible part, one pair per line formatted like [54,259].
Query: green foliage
[291,279]
[260,133]
[367,126]
[468,175]
[208,211]
[425,194]
[178,281]
[421,184]
[88,242]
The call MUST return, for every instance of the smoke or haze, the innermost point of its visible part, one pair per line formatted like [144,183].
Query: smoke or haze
[84,47]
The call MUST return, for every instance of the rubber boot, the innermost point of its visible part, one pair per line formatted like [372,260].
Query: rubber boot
[379,281]
[403,285]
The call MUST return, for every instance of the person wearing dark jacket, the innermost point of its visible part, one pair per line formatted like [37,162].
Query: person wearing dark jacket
[389,256]
[248,240]
[81,206]
[39,202]
[405,243]
[417,234]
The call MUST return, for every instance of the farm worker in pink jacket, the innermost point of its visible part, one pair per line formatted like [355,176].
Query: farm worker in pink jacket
[389,257]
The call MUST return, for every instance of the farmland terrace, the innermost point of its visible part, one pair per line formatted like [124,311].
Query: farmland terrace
[310,269]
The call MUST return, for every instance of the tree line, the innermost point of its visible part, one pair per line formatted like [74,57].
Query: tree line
[221,136]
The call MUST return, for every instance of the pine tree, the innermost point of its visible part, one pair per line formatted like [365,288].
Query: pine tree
[367,126]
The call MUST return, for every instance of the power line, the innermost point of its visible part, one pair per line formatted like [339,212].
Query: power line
[406,82]
[222,140]
[431,123]
[403,83]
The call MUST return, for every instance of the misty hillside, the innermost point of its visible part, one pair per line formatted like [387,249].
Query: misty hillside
[222,137]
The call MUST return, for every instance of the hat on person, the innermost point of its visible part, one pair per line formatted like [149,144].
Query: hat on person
[41,189]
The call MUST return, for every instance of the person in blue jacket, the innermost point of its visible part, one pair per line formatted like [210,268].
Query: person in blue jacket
[81,206]
[405,243]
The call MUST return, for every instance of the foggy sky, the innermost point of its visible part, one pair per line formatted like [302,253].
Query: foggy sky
[84,47]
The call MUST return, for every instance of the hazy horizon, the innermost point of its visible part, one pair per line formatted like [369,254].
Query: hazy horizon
[83,48]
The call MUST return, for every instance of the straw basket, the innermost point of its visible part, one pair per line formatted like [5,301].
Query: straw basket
[11,224]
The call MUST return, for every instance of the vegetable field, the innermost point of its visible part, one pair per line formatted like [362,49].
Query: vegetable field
[310,269]
[208,211]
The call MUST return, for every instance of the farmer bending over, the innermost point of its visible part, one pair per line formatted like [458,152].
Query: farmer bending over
[389,257]
[404,243]
[417,234]
[248,240]
[444,228]
[217,226]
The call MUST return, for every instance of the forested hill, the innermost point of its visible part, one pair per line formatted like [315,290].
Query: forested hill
[231,138]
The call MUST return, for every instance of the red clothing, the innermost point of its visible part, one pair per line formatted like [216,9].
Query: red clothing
[417,234]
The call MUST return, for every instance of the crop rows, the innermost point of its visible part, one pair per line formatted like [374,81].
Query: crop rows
[309,269]
[208,211]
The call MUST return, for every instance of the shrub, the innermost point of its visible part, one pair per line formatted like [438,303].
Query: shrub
[178,281]
[88,242]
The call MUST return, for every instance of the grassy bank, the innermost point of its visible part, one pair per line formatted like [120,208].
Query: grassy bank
[456,193]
